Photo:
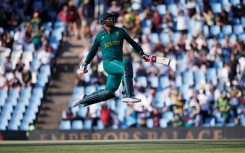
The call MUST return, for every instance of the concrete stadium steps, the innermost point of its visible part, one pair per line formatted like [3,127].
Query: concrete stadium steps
[61,84]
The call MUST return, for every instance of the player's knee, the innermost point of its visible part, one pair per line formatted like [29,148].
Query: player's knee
[113,88]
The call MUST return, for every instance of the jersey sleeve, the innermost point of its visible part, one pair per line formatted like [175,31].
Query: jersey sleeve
[134,44]
[93,50]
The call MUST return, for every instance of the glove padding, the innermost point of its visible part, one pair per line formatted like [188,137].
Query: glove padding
[82,69]
[146,57]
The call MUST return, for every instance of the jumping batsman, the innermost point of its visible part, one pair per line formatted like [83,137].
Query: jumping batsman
[111,42]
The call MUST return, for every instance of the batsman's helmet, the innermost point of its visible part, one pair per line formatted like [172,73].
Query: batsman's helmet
[105,16]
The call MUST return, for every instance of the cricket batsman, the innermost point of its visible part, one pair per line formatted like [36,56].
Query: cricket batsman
[111,42]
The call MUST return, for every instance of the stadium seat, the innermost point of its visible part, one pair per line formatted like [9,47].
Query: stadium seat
[161,9]
[77,125]
[29,47]
[225,2]
[215,30]
[173,9]
[24,126]
[211,75]
[154,38]
[222,74]
[164,38]
[235,2]
[65,125]
[87,124]
[164,81]
[227,29]
[3,95]
[175,37]
[178,80]
[149,123]
[99,125]
[141,81]
[199,77]
[238,29]
[241,37]
[188,78]
[206,31]
[159,100]
[90,89]
[163,123]
[168,116]
[216,7]
[213,2]
[154,81]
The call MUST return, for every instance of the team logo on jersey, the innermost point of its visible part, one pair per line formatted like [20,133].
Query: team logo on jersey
[117,33]
[102,37]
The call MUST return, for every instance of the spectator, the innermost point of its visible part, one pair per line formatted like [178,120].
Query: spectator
[204,104]
[86,12]
[195,111]
[130,116]
[72,18]
[177,121]
[156,115]
[182,24]
[223,107]
[106,116]
[67,114]
[26,77]
[233,96]
[63,16]
[36,37]
[142,117]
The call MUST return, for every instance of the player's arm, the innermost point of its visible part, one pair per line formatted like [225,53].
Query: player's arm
[136,46]
[92,52]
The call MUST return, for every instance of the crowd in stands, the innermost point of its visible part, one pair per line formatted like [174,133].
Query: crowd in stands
[204,84]
[29,41]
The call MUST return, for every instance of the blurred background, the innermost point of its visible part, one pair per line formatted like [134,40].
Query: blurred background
[42,43]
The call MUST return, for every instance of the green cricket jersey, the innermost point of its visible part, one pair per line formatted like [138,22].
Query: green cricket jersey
[111,44]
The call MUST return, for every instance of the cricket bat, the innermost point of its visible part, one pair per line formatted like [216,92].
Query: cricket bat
[160,60]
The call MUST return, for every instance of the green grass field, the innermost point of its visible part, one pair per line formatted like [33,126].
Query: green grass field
[125,146]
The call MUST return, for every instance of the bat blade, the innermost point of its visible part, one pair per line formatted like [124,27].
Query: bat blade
[160,60]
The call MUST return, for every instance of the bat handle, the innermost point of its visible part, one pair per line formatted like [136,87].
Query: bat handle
[147,59]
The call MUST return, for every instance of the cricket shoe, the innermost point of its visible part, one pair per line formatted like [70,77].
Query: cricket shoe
[78,101]
[131,100]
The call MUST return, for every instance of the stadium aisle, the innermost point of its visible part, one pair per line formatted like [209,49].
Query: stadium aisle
[61,84]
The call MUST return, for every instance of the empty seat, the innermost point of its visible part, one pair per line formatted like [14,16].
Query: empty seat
[211,75]
[216,7]
[215,30]
[227,29]
[163,123]
[154,81]
[164,81]
[141,81]
[164,38]
[65,125]
[149,123]
[77,125]
[199,77]
[238,29]
[173,9]
[188,78]
[161,8]
[87,124]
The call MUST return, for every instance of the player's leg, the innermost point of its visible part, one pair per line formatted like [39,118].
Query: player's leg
[115,71]
[95,97]
[128,84]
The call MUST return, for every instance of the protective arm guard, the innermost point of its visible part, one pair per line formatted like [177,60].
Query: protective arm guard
[128,79]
